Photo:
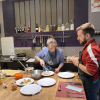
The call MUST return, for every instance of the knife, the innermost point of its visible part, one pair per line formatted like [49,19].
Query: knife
[9,75]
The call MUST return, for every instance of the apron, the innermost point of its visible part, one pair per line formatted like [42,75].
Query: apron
[87,80]
[51,62]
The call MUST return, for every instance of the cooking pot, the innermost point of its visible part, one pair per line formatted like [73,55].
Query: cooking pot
[36,74]
[21,55]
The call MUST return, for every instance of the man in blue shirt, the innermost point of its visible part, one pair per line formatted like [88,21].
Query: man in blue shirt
[51,57]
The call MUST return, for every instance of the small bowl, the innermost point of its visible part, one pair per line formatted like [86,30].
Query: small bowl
[18,75]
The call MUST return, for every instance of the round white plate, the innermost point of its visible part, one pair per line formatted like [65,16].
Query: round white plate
[30,89]
[66,75]
[51,73]
[18,81]
[46,82]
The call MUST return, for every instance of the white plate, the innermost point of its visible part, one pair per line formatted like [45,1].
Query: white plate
[66,75]
[18,81]
[30,89]
[51,73]
[46,82]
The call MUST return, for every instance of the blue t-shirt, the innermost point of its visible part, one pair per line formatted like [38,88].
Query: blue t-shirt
[59,55]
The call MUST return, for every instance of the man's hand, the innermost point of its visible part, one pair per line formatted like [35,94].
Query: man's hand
[42,63]
[56,70]
[75,60]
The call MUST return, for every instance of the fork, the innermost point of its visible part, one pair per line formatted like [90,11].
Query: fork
[75,96]
[74,93]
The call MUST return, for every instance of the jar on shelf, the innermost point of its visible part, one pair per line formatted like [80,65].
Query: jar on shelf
[63,27]
[59,28]
[72,25]
[50,28]
[54,27]
[67,26]
[47,28]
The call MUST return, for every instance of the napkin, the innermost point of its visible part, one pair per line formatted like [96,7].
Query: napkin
[74,88]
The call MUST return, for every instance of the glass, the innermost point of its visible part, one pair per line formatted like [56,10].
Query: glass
[67,26]
[72,25]
[2,75]
[37,96]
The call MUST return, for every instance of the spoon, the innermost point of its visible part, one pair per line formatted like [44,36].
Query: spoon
[59,88]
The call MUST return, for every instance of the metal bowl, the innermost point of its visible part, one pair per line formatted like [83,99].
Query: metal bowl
[36,74]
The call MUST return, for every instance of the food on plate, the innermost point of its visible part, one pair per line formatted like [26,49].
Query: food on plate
[25,81]
[46,73]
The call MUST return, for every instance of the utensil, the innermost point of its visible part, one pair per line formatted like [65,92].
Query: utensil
[63,40]
[74,93]
[59,88]
[22,64]
[36,74]
[74,83]
[76,96]
[46,70]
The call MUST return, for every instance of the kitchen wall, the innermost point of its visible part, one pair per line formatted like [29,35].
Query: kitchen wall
[1,22]
[94,18]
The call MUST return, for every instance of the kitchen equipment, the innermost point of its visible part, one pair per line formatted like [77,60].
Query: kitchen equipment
[63,40]
[34,42]
[66,75]
[59,88]
[18,75]
[46,82]
[75,93]
[30,89]
[36,74]
[20,58]
[21,55]
[75,96]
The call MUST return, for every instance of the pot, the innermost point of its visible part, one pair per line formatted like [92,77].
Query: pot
[21,55]
[36,74]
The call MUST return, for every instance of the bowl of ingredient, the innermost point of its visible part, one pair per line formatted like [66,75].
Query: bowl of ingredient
[18,75]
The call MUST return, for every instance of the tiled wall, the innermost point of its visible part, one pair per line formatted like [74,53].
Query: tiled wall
[67,51]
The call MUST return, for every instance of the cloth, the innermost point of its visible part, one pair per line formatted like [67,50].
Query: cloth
[91,58]
[60,56]
[51,62]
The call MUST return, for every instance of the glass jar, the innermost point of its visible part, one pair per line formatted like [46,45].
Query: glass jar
[67,26]
[72,25]
[14,86]
[47,28]
[63,27]
[54,27]
[59,28]
[50,28]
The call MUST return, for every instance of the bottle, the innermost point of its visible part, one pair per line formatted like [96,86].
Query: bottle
[36,28]
[18,29]
[62,27]
[29,29]
[54,27]
[67,26]
[72,25]
[47,28]
[25,29]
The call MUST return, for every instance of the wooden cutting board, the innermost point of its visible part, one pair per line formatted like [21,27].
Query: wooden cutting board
[11,72]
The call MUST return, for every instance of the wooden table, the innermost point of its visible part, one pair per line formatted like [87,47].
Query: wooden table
[47,93]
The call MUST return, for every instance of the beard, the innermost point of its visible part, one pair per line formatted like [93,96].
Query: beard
[84,41]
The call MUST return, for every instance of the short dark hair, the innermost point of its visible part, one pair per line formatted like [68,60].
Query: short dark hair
[87,28]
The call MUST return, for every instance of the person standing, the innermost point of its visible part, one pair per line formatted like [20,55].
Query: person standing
[88,61]
[51,57]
